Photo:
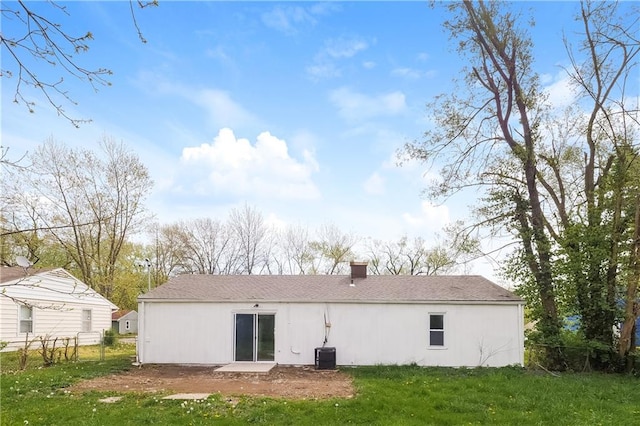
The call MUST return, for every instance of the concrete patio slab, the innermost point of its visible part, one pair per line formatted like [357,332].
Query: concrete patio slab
[110,399]
[247,367]
[188,396]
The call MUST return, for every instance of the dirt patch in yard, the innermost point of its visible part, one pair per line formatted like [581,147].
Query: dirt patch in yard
[280,382]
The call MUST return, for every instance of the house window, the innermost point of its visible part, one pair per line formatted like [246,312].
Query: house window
[436,330]
[86,320]
[26,319]
[127,325]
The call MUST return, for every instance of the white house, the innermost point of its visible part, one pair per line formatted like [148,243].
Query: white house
[427,320]
[49,303]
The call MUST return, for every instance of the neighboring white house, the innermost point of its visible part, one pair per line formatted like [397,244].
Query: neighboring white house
[49,303]
[124,322]
[426,320]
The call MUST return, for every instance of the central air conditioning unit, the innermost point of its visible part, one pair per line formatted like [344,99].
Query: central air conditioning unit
[325,358]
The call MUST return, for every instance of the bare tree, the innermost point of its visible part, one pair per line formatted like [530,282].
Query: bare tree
[89,204]
[415,257]
[37,41]
[168,250]
[294,254]
[250,234]
[7,162]
[209,247]
[332,249]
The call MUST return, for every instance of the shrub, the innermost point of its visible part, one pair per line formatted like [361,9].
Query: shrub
[109,338]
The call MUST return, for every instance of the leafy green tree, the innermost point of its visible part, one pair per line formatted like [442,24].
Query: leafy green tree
[597,232]
[558,182]
[496,120]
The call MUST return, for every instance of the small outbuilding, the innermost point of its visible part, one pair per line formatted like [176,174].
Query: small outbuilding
[352,319]
[50,303]
[124,321]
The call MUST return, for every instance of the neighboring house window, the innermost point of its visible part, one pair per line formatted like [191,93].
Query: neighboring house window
[26,319]
[436,330]
[86,320]
[127,325]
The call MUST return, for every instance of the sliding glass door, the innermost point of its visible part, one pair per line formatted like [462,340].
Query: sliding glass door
[254,337]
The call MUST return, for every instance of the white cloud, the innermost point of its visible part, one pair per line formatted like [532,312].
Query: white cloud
[344,47]
[235,166]
[412,73]
[430,217]
[368,65]
[546,78]
[220,54]
[560,92]
[288,19]
[423,57]
[321,71]
[222,109]
[319,9]
[374,185]
[357,106]
[406,73]
[339,49]
[274,222]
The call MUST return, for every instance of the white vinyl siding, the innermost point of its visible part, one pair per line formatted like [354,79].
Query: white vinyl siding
[59,304]
[202,333]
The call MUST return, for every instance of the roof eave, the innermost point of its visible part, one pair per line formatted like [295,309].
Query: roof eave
[356,301]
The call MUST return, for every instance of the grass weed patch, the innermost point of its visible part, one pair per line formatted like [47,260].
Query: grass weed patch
[497,396]
[408,395]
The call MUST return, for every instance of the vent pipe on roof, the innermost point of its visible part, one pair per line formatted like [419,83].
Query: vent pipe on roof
[358,269]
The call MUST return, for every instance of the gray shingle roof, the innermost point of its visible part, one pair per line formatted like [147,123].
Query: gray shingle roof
[10,273]
[330,288]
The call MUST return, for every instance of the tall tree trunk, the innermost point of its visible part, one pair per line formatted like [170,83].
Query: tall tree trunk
[499,74]
[626,343]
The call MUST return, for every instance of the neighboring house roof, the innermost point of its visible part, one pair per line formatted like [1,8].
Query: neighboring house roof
[41,287]
[124,313]
[119,314]
[16,272]
[331,288]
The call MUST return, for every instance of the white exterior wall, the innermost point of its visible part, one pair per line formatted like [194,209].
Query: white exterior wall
[363,334]
[62,322]
[57,301]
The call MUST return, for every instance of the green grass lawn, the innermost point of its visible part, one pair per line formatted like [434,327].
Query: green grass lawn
[385,395]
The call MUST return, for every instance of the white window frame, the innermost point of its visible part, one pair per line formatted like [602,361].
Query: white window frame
[87,322]
[438,330]
[22,319]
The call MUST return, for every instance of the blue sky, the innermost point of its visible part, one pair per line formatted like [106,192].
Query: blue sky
[296,108]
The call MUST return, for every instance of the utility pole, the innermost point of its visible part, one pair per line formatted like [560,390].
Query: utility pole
[147,262]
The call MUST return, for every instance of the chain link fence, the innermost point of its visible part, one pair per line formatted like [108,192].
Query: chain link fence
[44,351]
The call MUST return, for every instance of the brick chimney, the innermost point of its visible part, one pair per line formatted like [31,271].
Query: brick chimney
[358,269]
